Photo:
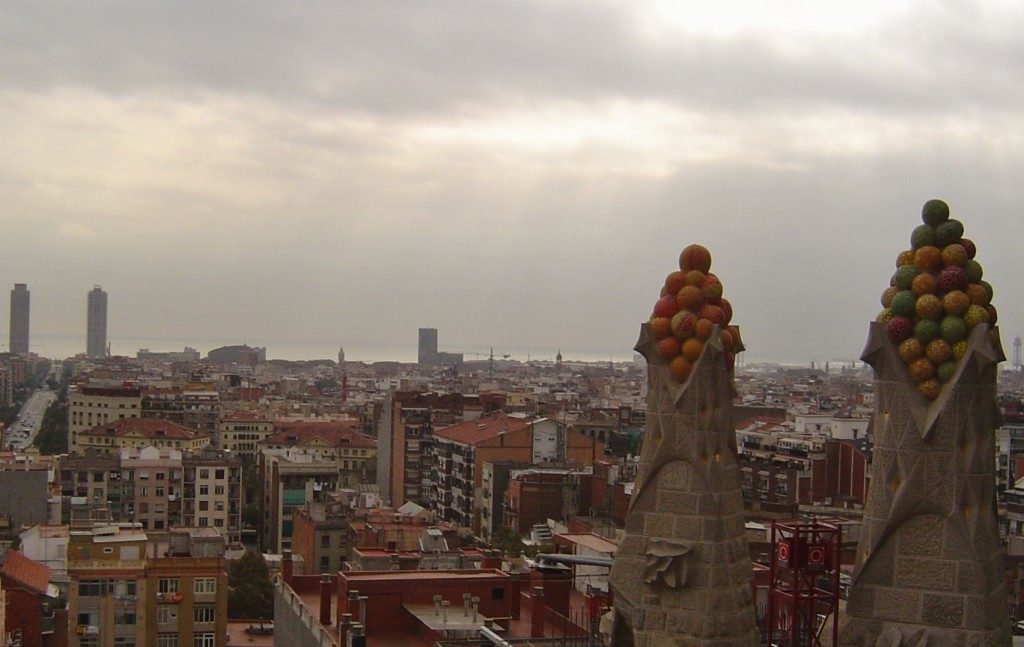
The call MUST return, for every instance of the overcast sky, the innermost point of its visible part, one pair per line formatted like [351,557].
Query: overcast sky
[521,175]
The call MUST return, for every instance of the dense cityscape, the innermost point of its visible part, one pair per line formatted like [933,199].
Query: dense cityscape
[229,498]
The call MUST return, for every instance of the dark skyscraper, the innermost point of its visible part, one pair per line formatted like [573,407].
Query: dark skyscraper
[19,318]
[428,346]
[96,333]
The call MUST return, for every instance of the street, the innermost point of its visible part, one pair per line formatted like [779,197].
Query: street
[25,427]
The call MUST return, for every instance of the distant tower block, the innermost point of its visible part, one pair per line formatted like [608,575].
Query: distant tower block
[1016,353]
[96,324]
[929,564]
[20,304]
[681,575]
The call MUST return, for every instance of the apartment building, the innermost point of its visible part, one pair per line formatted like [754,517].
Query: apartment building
[92,406]
[355,453]
[291,478]
[137,433]
[212,493]
[242,432]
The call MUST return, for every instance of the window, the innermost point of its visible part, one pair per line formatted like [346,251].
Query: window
[218,489]
[165,640]
[159,476]
[325,564]
[159,491]
[158,524]
[89,587]
[202,640]
[218,522]
[325,541]
[219,474]
[204,585]
[166,614]
[203,522]
[204,490]
[89,641]
[204,506]
[124,617]
[204,474]
[497,594]
[168,585]
[124,641]
[203,614]
[89,618]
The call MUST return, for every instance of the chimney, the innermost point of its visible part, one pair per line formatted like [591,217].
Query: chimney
[537,612]
[465,604]
[325,600]
[286,565]
[344,625]
[357,637]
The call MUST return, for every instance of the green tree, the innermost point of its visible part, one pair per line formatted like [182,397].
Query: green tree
[251,594]
[508,542]
[53,432]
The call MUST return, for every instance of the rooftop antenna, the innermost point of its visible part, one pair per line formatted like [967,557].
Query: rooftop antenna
[490,365]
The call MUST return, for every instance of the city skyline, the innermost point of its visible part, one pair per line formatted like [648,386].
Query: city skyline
[333,174]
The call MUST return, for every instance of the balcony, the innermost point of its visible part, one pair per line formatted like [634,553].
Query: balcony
[169,598]
[46,626]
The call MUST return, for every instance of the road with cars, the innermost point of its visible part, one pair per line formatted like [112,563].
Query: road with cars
[23,430]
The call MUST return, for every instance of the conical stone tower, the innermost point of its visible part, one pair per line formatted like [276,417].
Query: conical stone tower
[682,572]
[929,564]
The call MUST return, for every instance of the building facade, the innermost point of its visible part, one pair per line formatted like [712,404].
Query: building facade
[96,323]
[19,319]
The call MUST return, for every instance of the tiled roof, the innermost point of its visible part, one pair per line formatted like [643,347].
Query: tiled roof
[25,571]
[483,428]
[147,427]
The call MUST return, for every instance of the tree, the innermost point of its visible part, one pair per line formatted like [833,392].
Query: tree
[508,541]
[251,594]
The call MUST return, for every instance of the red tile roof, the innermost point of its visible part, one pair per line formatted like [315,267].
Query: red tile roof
[484,428]
[25,571]
[147,427]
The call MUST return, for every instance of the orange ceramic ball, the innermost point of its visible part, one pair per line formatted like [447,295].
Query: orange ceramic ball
[921,369]
[692,348]
[938,351]
[928,259]
[690,298]
[910,349]
[977,294]
[703,329]
[660,327]
[924,283]
[928,306]
[906,257]
[959,350]
[726,310]
[955,303]
[712,313]
[695,257]
[664,291]
[674,282]
[727,340]
[682,324]
[954,254]
[712,288]
[929,388]
[668,347]
[680,368]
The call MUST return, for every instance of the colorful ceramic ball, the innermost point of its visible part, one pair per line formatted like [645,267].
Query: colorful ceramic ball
[680,368]
[726,307]
[921,369]
[695,278]
[910,349]
[692,348]
[696,257]
[977,294]
[930,389]
[674,281]
[660,327]
[906,257]
[712,288]
[993,315]
[703,329]
[975,315]
[953,329]
[903,303]
[690,298]
[924,283]
[928,306]
[949,232]
[921,236]
[712,313]
[666,307]
[928,259]
[935,212]
[969,247]
[959,350]
[884,316]
[668,348]
[888,294]
[926,330]
[988,288]
[946,371]
[664,292]
[682,324]
[973,270]
[938,351]
[954,254]
[904,276]
[899,328]
[955,302]
[952,278]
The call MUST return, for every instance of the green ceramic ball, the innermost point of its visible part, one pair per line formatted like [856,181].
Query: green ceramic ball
[926,330]
[935,212]
[946,371]
[973,270]
[903,304]
[948,233]
[922,236]
[904,276]
[953,329]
